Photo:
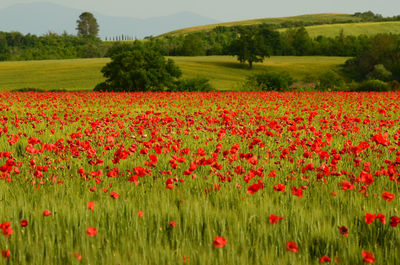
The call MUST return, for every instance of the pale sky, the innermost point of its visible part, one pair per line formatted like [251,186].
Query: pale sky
[224,10]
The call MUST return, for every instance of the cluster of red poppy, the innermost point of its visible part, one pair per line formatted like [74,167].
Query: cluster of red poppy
[245,138]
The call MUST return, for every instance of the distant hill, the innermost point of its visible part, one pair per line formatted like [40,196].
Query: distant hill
[354,29]
[324,18]
[331,25]
[39,18]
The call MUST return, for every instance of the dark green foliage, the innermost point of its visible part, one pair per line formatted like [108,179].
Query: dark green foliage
[394,85]
[293,41]
[330,81]
[379,73]
[382,49]
[103,87]
[192,84]
[269,81]
[373,85]
[16,46]
[142,69]
[252,45]
[368,16]
[193,45]
[296,42]
[87,25]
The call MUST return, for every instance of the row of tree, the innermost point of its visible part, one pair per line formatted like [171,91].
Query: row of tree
[294,41]
[16,46]
[220,41]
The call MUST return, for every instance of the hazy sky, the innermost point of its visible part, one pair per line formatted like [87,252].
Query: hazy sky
[224,10]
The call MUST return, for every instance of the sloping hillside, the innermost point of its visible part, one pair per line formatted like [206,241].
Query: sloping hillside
[325,18]
[328,25]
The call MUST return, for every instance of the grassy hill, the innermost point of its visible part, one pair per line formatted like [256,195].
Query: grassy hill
[355,29]
[326,29]
[224,72]
[314,18]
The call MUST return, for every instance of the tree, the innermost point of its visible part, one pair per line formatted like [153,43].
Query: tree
[249,46]
[382,49]
[87,25]
[193,46]
[302,42]
[141,69]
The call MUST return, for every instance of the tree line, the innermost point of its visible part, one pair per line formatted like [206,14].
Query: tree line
[219,41]
[293,41]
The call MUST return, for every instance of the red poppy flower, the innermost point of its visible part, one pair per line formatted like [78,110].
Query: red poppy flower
[387,196]
[24,223]
[272,174]
[273,219]
[6,229]
[91,205]
[381,218]
[279,187]
[140,213]
[78,256]
[344,230]
[346,185]
[5,253]
[254,188]
[114,195]
[46,213]
[297,191]
[91,231]
[368,257]
[172,224]
[394,221]
[324,259]
[292,246]
[219,241]
[369,218]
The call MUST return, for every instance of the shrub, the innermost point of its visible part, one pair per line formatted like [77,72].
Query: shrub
[394,85]
[304,89]
[141,69]
[379,73]
[373,85]
[192,84]
[269,81]
[330,81]
[103,86]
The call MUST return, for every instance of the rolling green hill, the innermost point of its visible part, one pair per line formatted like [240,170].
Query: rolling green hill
[224,72]
[314,18]
[327,27]
[354,29]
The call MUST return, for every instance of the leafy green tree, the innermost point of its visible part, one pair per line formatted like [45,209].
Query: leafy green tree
[141,69]
[379,73]
[249,46]
[382,49]
[302,42]
[330,81]
[193,46]
[87,25]
[268,81]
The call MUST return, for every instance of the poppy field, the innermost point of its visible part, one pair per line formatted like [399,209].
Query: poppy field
[199,178]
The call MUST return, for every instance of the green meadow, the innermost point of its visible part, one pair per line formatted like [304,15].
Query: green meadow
[224,72]
[354,29]
[326,29]
[321,18]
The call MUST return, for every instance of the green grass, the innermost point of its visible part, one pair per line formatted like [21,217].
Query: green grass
[328,30]
[71,74]
[354,29]
[224,72]
[324,18]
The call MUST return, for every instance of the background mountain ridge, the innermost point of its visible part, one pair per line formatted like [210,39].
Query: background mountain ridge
[40,18]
